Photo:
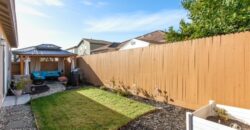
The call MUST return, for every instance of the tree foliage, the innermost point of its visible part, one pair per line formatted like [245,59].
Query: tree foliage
[211,17]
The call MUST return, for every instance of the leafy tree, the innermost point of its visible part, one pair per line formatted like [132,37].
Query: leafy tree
[212,17]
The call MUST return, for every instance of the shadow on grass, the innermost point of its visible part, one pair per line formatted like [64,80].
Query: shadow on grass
[72,110]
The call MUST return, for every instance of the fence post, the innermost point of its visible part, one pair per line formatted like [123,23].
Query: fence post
[189,121]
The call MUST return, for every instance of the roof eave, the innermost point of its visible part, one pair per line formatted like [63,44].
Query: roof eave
[12,36]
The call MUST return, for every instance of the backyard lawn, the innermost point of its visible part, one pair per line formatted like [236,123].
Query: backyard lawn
[88,108]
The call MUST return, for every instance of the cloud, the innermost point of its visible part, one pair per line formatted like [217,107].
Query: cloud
[27,10]
[94,3]
[87,2]
[135,22]
[43,2]
[31,33]
[31,7]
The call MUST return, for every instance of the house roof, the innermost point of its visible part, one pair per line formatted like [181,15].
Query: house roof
[107,48]
[8,20]
[43,50]
[156,37]
[91,41]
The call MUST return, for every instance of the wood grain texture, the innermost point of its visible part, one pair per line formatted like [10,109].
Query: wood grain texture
[190,72]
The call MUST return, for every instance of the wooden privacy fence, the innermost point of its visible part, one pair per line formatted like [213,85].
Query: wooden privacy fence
[15,68]
[186,74]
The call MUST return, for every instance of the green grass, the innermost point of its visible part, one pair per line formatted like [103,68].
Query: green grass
[88,109]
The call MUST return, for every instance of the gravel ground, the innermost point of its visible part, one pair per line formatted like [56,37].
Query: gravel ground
[20,117]
[17,117]
[167,117]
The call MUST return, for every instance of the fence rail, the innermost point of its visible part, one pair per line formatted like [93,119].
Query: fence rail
[187,73]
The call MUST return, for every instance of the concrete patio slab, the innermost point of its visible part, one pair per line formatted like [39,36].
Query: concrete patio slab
[54,87]
[16,100]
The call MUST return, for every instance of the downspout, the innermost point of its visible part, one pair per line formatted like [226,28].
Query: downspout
[3,46]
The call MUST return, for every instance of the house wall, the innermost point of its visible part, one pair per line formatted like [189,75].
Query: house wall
[4,64]
[71,50]
[1,75]
[134,43]
[84,48]
[95,46]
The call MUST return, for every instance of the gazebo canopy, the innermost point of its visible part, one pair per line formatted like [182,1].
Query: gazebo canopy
[43,50]
[35,53]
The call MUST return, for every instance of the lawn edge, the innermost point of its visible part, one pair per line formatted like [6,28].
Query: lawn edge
[36,122]
[149,112]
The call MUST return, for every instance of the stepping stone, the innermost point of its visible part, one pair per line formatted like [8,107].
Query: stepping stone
[13,100]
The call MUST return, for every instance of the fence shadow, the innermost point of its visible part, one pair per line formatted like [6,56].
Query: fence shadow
[88,76]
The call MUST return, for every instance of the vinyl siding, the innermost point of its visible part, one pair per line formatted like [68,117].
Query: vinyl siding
[4,65]
[2,34]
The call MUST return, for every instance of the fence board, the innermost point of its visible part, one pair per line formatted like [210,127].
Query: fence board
[190,72]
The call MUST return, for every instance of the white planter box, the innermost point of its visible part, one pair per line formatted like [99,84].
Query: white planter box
[197,120]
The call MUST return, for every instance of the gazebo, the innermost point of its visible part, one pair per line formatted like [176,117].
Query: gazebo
[44,56]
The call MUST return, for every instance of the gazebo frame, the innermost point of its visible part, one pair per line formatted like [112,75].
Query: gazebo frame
[24,59]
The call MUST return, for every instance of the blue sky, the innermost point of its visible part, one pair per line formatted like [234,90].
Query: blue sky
[66,22]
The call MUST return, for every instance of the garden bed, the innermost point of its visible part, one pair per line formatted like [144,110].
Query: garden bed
[167,116]
[228,122]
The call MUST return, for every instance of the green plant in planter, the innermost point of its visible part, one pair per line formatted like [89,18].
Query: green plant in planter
[222,113]
[20,85]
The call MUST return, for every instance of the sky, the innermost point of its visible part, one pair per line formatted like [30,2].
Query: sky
[66,22]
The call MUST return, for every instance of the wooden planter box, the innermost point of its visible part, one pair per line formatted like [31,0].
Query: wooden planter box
[197,120]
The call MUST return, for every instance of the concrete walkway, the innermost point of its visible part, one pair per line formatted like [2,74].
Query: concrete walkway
[16,100]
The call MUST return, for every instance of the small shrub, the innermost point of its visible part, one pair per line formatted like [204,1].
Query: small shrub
[104,88]
[222,113]
[113,82]
[20,85]
[136,90]
[123,93]
[146,94]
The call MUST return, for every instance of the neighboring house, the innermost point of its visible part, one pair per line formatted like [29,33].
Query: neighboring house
[107,48]
[153,38]
[8,39]
[134,43]
[87,45]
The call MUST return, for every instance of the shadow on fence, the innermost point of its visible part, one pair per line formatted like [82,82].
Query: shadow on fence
[88,76]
